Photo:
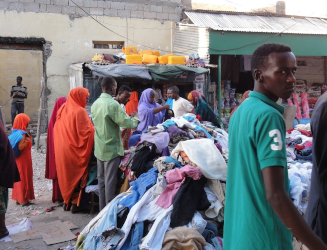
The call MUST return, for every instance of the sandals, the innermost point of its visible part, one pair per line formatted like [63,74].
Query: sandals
[66,207]
[75,209]
[27,204]
[2,235]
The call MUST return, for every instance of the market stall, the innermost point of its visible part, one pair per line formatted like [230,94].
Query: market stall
[166,193]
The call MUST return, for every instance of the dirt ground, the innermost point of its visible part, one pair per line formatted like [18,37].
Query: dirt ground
[43,194]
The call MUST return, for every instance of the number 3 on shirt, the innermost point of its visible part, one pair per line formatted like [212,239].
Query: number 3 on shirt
[277,139]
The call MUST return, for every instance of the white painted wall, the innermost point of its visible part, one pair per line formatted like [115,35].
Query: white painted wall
[72,39]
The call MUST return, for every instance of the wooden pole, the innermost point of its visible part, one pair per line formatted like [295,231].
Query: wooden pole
[42,92]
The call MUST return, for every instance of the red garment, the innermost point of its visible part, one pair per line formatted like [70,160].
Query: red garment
[50,169]
[73,141]
[23,191]
[299,147]
[131,106]
[306,133]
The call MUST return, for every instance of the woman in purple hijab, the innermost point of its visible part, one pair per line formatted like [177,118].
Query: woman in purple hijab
[150,113]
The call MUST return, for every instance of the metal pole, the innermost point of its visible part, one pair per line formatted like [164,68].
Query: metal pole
[219,90]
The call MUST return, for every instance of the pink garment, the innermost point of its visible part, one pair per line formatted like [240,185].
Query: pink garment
[178,174]
[298,111]
[305,105]
[175,179]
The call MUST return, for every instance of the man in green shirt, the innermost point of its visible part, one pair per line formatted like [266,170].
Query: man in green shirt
[108,116]
[259,213]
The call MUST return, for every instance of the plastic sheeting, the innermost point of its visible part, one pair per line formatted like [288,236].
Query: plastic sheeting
[120,70]
[168,72]
[147,72]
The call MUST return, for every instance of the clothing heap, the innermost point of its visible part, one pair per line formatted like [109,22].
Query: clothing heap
[174,194]
[299,158]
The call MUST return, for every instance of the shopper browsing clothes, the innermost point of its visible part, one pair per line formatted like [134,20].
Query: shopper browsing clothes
[259,213]
[50,167]
[181,106]
[73,135]
[108,116]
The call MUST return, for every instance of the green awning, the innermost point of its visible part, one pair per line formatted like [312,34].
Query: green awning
[244,43]
[167,72]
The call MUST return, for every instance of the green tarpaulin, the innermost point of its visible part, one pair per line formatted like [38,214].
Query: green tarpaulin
[167,72]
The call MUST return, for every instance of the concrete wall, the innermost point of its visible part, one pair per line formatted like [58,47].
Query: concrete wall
[313,72]
[164,10]
[71,35]
[27,64]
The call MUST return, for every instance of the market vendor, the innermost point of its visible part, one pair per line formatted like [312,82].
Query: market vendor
[124,93]
[150,112]
[181,106]
[259,213]
[108,117]
[202,108]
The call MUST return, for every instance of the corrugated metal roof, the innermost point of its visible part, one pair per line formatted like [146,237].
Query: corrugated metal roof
[242,22]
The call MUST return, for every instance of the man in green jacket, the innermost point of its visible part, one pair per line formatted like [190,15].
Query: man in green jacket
[108,116]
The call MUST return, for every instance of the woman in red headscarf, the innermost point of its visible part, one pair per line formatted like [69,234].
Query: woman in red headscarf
[131,106]
[20,140]
[50,169]
[73,141]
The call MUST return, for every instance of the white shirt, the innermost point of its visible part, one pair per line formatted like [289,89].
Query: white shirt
[182,107]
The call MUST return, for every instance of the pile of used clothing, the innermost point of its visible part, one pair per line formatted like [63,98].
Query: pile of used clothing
[299,158]
[174,193]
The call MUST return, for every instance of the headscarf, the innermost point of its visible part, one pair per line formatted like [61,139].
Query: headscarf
[202,108]
[73,142]
[50,170]
[244,97]
[19,128]
[8,169]
[146,115]
[195,95]
[131,106]
[21,121]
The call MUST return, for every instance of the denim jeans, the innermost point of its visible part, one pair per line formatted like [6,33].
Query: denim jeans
[134,238]
[95,238]
[16,107]
[110,238]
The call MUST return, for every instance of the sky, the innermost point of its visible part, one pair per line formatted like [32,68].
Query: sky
[317,8]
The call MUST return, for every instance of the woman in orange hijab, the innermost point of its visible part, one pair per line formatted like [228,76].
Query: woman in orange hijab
[131,106]
[20,140]
[244,97]
[73,141]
